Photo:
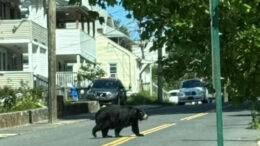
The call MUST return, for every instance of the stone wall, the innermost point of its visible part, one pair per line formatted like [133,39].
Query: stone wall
[35,115]
[23,117]
[79,108]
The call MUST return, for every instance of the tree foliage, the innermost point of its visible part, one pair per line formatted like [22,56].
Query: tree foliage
[183,26]
[120,27]
[90,72]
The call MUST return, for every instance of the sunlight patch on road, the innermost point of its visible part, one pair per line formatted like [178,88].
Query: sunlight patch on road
[125,139]
[194,116]
[4,135]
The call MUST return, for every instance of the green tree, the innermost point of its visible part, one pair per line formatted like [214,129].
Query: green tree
[90,72]
[120,27]
[184,27]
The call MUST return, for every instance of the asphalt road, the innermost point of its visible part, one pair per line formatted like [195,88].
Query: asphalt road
[187,125]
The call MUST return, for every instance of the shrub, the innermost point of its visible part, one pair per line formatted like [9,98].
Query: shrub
[255,111]
[8,98]
[141,98]
[20,99]
[144,97]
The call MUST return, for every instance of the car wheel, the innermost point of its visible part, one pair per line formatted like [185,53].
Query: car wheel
[204,101]
[181,103]
[123,101]
[118,100]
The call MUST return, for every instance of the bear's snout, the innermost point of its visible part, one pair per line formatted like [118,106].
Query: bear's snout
[145,117]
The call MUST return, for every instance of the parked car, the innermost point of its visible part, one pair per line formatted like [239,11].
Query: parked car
[174,96]
[107,90]
[193,90]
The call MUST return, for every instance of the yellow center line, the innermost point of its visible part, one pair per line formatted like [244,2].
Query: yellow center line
[158,128]
[194,116]
[125,139]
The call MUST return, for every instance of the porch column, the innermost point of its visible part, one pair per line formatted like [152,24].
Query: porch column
[78,62]
[82,23]
[94,29]
[38,59]
[88,27]
[84,62]
[30,57]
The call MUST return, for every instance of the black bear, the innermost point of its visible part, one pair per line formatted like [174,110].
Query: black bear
[117,117]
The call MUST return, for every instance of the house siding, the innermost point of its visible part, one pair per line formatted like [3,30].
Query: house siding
[40,62]
[23,29]
[14,79]
[68,41]
[39,34]
[75,41]
[110,52]
[88,46]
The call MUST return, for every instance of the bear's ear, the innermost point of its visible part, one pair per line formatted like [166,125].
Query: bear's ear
[134,111]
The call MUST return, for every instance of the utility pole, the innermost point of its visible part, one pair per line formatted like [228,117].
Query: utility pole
[52,101]
[214,11]
[159,73]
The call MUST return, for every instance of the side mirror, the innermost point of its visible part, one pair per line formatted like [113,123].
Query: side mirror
[89,86]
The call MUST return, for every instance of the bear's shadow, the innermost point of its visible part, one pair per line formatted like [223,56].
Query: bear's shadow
[110,137]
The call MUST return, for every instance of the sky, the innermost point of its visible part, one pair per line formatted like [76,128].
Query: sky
[118,12]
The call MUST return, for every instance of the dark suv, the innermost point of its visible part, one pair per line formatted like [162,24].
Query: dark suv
[107,90]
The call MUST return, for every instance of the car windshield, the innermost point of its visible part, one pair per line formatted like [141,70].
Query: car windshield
[108,84]
[192,83]
[174,94]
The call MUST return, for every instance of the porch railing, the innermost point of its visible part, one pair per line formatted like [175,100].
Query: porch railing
[40,81]
[63,79]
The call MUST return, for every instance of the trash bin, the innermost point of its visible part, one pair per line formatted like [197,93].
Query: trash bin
[74,93]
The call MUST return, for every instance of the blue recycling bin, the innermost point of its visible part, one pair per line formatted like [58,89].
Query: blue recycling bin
[74,93]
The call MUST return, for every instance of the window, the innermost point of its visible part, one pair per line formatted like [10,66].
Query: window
[4,61]
[25,59]
[192,84]
[1,11]
[0,61]
[113,70]
[107,84]
[12,13]
[42,51]
[174,94]
[110,22]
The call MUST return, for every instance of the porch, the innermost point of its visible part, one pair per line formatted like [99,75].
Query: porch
[23,47]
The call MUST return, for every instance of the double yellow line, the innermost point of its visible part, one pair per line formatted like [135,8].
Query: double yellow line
[125,139]
[194,116]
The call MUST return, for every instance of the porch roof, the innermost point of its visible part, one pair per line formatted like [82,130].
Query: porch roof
[113,33]
[72,13]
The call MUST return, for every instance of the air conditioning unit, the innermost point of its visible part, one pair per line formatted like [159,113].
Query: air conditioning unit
[24,8]
[24,12]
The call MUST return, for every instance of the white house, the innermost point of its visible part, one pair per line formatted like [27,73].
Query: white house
[75,44]
[148,60]
[23,42]
[114,51]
